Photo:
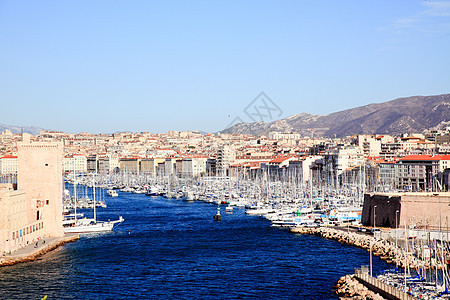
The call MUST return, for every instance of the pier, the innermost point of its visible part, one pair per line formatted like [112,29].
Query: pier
[385,290]
[363,286]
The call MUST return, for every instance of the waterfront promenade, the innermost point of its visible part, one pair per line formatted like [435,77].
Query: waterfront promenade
[34,251]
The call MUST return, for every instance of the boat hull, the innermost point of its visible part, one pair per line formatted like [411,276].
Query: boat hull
[99,227]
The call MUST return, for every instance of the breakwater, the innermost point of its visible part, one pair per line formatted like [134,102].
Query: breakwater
[349,287]
[382,248]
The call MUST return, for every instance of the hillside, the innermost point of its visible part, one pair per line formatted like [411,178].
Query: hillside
[18,129]
[403,115]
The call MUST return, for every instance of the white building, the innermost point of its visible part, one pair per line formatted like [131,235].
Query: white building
[8,165]
[169,166]
[302,166]
[339,160]
[274,135]
[226,155]
[370,145]
[194,166]
[76,162]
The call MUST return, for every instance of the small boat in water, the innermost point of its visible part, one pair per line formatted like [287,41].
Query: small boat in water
[153,192]
[112,193]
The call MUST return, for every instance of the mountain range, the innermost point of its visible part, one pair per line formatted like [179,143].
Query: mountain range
[403,115]
[19,129]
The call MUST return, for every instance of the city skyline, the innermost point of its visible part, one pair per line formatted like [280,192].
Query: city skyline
[147,66]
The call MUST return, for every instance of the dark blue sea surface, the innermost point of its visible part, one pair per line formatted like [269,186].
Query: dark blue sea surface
[172,249]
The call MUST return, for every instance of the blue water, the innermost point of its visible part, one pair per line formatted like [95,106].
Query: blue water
[172,249]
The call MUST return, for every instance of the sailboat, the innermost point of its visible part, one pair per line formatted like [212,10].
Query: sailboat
[87,225]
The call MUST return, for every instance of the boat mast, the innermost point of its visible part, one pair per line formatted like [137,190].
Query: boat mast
[93,187]
[74,189]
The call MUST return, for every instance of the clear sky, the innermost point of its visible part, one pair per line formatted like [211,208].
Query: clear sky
[107,66]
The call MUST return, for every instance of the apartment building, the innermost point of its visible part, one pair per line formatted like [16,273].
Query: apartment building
[194,166]
[8,165]
[226,155]
[75,162]
[421,172]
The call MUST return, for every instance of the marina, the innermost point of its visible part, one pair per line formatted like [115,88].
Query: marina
[174,248]
[316,213]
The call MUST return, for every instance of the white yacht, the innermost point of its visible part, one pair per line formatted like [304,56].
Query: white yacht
[86,225]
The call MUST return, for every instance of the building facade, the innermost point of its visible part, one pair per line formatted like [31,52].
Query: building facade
[421,172]
[76,162]
[32,208]
[8,165]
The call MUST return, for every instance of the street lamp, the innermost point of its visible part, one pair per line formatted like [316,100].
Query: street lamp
[373,230]
[396,249]
[374,215]
[396,219]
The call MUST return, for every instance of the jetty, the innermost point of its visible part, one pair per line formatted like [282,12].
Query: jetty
[363,286]
[391,284]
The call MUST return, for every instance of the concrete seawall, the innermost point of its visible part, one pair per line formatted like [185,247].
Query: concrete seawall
[34,251]
[384,289]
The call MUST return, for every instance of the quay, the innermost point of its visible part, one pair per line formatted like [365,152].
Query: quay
[34,251]
[389,285]
[380,247]
[383,248]
[363,286]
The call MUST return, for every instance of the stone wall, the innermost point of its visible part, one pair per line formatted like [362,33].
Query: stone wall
[40,175]
[421,210]
[381,208]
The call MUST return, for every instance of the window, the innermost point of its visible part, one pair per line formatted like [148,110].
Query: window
[47,201]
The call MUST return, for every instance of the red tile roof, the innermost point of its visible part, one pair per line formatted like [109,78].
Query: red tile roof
[279,159]
[426,157]
[9,156]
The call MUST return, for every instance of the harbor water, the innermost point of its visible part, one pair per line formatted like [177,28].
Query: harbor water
[173,249]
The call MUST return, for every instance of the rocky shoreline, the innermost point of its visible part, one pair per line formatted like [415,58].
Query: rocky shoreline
[348,287]
[386,250]
[31,253]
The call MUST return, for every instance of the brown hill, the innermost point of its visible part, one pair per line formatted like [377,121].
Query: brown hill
[403,115]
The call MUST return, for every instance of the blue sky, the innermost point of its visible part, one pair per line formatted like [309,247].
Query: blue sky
[107,66]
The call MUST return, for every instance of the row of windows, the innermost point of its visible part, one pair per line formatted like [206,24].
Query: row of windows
[19,233]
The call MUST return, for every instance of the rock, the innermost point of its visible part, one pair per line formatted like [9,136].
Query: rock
[347,286]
